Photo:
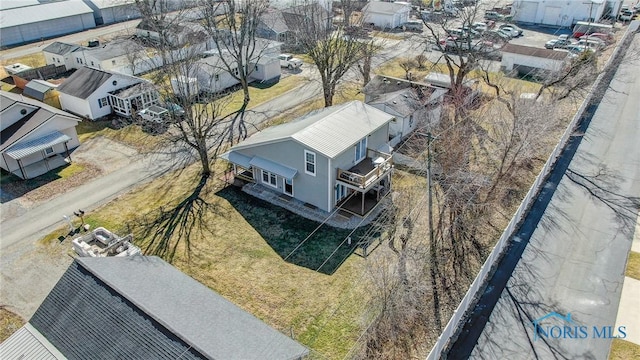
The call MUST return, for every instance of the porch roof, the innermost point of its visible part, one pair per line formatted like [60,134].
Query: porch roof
[237,159]
[27,148]
[284,171]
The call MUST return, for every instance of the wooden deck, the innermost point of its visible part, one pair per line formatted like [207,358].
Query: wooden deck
[368,171]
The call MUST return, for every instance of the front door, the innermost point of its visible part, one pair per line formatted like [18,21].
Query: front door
[288,187]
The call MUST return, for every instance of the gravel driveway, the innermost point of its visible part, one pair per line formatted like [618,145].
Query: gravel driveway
[30,269]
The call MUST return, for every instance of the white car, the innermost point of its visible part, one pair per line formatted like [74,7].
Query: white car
[512,30]
[479,26]
[289,61]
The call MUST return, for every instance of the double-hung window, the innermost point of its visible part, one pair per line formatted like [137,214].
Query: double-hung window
[269,178]
[102,102]
[309,163]
[361,149]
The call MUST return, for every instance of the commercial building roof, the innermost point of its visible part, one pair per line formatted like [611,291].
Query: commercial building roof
[142,307]
[534,51]
[329,131]
[42,12]
[385,7]
[105,4]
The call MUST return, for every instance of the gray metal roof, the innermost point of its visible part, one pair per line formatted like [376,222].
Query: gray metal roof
[384,7]
[37,89]
[534,51]
[43,12]
[404,102]
[28,343]
[142,307]
[11,4]
[60,48]
[329,131]
[84,82]
[34,146]
[105,4]
[270,166]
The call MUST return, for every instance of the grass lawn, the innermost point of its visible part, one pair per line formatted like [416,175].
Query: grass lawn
[633,265]
[9,323]
[624,350]
[33,60]
[131,135]
[239,253]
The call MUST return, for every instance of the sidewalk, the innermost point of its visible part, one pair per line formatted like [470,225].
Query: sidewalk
[628,315]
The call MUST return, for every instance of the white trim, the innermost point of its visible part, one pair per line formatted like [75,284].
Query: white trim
[269,175]
[329,184]
[284,187]
[315,163]
[363,152]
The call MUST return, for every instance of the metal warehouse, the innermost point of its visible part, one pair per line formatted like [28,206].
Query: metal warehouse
[28,23]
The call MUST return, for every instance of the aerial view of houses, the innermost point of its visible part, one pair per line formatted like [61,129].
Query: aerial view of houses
[295,179]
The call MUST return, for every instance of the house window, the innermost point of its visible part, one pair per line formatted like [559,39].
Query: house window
[92,64]
[411,120]
[256,67]
[103,102]
[269,178]
[361,149]
[113,62]
[58,60]
[236,72]
[217,77]
[310,163]
[48,151]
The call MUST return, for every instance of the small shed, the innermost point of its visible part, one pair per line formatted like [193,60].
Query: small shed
[39,90]
[386,15]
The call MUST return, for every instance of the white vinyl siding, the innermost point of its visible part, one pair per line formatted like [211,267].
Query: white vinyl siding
[309,163]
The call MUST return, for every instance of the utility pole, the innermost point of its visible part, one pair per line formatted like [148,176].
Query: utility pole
[430,201]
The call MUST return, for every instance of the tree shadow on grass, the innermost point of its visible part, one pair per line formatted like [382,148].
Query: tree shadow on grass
[166,228]
[324,251]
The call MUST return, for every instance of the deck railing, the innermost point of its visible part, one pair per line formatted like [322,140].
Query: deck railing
[381,163]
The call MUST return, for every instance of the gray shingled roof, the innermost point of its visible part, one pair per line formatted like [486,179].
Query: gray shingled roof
[114,49]
[405,101]
[329,131]
[43,12]
[84,82]
[60,48]
[143,308]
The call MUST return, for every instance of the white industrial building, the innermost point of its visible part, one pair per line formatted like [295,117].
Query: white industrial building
[43,21]
[386,15]
[532,61]
[108,12]
[563,13]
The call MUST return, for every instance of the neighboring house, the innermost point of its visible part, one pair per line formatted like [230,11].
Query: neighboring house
[178,33]
[212,74]
[118,55]
[328,158]
[61,54]
[386,15]
[107,12]
[412,104]
[141,307]
[36,137]
[283,24]
[527,60]
[562,13]
[93,93]
[23,24]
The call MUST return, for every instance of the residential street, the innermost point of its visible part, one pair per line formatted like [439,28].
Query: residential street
[575,260]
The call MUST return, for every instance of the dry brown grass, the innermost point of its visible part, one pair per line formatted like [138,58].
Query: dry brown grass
[624,350]
[633,265]
[10,323]
[33,60]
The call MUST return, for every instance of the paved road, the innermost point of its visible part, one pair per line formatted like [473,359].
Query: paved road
[575,258]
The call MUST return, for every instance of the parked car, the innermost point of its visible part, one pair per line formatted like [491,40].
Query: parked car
[479,27]
[595,44]
[626,15]
[563,37]
[175,111]
[493,15]
[488,50]
[557,44]
[413,25]
[606,38]
[471,31]
[511,29]
[289,61]
[496,36]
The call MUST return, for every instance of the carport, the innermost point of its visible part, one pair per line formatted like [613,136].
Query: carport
[43,146]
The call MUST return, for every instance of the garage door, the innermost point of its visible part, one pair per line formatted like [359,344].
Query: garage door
[552,15]
[527,12]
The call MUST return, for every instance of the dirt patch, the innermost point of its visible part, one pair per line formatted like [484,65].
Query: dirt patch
[106,154]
